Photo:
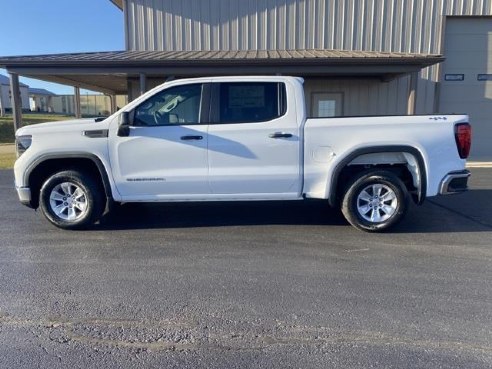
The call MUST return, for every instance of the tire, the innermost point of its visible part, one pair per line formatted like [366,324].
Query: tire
[71,199]
[375,201]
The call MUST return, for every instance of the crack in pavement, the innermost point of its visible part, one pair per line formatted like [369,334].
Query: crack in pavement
[183,335]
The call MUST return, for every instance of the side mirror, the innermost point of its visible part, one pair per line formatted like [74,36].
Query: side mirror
[124,128]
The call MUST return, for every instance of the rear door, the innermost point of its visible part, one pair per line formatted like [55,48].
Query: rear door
[253,140]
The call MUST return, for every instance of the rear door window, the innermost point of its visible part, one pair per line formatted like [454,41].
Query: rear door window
[250,102]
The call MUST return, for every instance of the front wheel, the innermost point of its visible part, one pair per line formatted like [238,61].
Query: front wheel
[375,201]
[71,199]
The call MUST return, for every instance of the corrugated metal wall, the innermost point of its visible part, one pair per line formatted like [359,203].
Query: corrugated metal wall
[362,97]
[381,25]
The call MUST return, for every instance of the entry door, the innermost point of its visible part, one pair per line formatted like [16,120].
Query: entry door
[467,78]
[166,152]
[253,141]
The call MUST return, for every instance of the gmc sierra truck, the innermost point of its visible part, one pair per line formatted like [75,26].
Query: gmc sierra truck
[239,139]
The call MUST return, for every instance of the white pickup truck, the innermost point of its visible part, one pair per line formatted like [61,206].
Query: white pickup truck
[239,139]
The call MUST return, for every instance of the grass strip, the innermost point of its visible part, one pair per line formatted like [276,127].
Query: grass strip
[7,134]
[7,160]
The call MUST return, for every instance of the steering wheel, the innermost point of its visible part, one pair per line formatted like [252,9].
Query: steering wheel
[159,117]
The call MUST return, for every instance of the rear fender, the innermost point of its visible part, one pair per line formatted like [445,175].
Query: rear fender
[409,156]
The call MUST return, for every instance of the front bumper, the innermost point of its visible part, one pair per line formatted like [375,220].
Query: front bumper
[24,194]
[454,182]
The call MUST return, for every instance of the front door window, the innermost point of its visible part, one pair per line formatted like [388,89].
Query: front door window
[178,105]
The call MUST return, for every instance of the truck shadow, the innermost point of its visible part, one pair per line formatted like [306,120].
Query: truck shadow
[214,214]
[469,212]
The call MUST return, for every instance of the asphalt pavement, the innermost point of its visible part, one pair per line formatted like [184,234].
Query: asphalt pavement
[248,285]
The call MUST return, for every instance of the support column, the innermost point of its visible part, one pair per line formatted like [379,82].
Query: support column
[412,93]
[129,86]
[16,100]
[78,112]
[49,104]
[112,100]
[2,104]
[143,83]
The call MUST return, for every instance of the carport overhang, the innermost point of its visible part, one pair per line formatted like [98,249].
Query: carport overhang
[110,72]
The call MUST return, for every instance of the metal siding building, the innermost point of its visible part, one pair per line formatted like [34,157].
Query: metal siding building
[358,57]
[411,26]
[378,25]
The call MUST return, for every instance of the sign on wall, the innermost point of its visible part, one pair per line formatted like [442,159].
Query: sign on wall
[454,77]
[484,77]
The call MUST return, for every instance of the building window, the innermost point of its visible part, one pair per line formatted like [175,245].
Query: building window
[324,104]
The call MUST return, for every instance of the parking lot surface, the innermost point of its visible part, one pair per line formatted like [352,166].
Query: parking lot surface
[248,285]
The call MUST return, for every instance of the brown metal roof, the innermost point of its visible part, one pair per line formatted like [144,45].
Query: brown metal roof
[150,57]
[118,3]
[108,71]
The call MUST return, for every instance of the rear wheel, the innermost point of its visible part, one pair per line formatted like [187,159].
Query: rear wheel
[375,201]
[71,199]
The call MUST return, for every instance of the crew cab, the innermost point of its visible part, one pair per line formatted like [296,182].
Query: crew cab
[239,139]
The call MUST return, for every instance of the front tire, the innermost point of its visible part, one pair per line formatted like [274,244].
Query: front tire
[375,201]
[71,199]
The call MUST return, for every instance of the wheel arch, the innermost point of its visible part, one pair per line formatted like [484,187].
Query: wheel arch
[46,165]
[414,155]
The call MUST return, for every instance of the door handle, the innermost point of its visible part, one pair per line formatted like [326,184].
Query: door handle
[280,135]
[189,138]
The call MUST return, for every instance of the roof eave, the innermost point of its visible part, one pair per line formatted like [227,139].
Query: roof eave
[424,62]
[108,72]
[118,3]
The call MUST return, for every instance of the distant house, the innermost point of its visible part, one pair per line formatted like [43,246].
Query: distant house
[5,94]
[41,100]
[91,104]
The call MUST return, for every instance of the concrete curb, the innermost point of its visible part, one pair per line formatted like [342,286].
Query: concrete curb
[479,164]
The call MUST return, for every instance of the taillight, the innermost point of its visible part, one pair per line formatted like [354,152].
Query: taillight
[462,134]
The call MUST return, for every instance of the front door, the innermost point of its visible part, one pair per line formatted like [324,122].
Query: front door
[165,155]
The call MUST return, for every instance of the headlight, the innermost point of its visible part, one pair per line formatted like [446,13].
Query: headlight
[22,143]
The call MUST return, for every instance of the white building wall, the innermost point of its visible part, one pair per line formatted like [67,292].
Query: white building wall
[5,91]
[414,26]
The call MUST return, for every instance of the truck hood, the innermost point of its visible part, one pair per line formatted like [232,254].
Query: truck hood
[61,126]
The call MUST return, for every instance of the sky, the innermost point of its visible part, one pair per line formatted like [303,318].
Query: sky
[36,27]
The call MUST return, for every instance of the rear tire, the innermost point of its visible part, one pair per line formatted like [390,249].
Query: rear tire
[71,199]
[375,201]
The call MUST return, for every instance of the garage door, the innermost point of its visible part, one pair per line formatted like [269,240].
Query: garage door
[467,78]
